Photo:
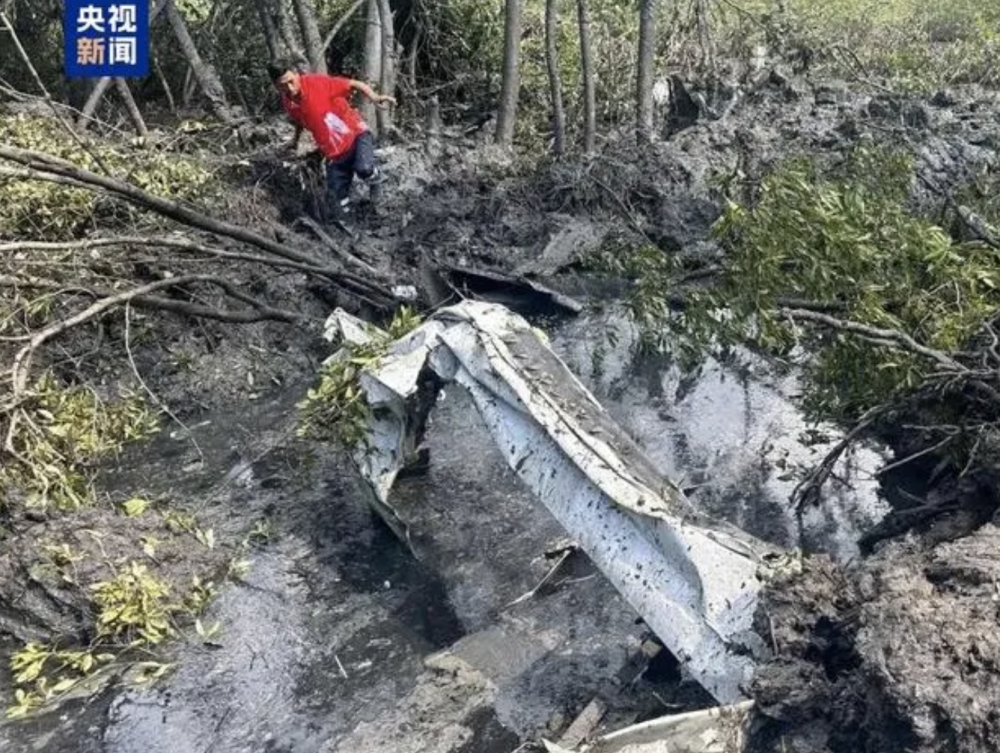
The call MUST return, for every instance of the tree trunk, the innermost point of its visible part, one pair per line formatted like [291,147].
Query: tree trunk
[306,14]
[133,109]
[387,74]
[102,84]
[373,57]
[644,77]
[587,73]
[287,32]
[411,58]
[432,125]
[93,100]
[208,79]
[555,84]
[706,53]
[271,38]
[510,88]
[163,82]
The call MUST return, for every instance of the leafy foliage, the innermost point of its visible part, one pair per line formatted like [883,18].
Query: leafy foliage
[845,240]
[66,431]
[132,610]
[133,607]
[337,409]
[915,45]
[56,212]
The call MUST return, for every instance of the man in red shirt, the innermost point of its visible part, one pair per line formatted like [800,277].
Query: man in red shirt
[319,104]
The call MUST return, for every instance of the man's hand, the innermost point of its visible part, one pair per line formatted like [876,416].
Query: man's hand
[379,100]
[293,145]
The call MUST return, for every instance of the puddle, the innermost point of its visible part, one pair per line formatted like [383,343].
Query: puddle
[732,437]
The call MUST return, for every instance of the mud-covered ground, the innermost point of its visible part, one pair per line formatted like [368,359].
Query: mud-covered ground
[335,639]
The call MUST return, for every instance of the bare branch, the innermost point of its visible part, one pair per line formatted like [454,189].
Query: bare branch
[43,167]
[901,339]
[178,244]
[807,491]
[340,23]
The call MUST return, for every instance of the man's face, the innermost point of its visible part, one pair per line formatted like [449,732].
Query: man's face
[289,84]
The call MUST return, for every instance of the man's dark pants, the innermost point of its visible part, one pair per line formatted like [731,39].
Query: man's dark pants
[360,161]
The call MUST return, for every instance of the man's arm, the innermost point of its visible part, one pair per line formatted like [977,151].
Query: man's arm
[378,99]
[294,143]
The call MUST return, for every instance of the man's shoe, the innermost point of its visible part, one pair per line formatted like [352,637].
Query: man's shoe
[340,216]
[375,181]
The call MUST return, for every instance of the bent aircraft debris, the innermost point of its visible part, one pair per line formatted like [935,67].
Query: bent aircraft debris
[694,580]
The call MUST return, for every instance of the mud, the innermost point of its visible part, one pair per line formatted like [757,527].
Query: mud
[339,639]
[900,653]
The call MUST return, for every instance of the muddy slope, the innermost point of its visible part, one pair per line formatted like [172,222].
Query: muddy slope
[901,653]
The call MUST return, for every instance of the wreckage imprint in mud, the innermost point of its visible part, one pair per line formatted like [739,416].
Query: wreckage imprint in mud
[694,580]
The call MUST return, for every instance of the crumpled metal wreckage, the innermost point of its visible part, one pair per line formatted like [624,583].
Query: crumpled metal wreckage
[694,580]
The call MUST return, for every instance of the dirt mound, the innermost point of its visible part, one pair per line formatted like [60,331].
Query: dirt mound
[900,653]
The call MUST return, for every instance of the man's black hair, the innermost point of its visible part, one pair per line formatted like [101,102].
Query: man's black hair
[281,66]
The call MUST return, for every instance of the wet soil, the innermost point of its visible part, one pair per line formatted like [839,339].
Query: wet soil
[899,653]
[342,639]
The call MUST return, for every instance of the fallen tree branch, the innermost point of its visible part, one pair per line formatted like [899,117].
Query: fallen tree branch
[900,339]
[153,395]
[916,455]
[165,242]
[41,166]
[139,296]
[327,241]
[807,491]
[260,313]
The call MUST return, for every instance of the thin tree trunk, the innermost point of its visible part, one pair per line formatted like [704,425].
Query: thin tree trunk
[555,84]
[188,88]
[163,82]
[271,38]
[373,57]
[510,88]
[306,14]
[432,125]
[387,74]
[287,32]
[93,100]
[707,54]
[102,84]
[208,79]
[355,6]
[644,77]
[411,60]
[133,109]
[587,73]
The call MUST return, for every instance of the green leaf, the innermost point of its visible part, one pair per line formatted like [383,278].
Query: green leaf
[135,506]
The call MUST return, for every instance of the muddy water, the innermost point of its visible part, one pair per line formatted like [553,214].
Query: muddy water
[344,640]
[731,435]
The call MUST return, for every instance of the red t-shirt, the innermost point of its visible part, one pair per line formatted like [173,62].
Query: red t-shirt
[323,110]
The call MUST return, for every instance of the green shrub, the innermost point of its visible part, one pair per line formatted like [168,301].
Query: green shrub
[50,211]
[844,239]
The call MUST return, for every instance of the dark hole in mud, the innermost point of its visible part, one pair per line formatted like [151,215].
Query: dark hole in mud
[373,562]
[489,736]
[831,648]
[663,668]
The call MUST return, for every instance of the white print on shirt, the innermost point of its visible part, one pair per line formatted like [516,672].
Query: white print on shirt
[336,129]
